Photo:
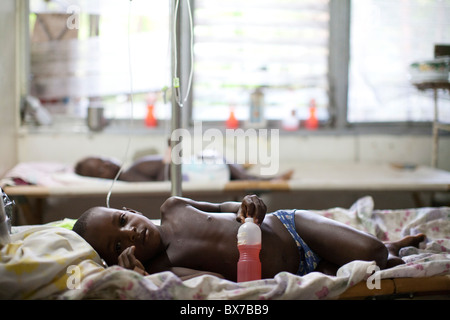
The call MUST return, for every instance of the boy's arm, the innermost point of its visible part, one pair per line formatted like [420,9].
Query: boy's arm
[149,168]
[129,261]
[229,206]
[251,206]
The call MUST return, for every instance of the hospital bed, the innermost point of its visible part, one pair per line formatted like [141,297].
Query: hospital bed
[49,261]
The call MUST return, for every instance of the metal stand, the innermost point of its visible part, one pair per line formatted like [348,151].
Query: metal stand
[175,169]
[435,86]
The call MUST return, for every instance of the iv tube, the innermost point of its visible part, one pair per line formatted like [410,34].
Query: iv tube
[108,196]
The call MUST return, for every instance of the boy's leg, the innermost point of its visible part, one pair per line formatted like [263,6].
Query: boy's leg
[395,246]
[337,243]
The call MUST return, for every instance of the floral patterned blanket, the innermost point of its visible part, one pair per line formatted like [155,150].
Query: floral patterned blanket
[49,262]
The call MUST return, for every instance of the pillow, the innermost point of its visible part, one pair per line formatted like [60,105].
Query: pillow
[43,261]
[66,223]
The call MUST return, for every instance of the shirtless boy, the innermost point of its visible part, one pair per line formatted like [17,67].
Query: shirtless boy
[195,238]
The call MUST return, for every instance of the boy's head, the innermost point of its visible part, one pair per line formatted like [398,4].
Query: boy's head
[97,167]
[110,231]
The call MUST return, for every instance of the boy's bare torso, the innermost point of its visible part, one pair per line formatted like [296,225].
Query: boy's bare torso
[207,242]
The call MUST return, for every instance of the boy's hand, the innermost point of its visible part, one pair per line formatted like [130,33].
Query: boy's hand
[129,261]
[252,206]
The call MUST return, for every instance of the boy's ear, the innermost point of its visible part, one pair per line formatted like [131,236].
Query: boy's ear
[132,210]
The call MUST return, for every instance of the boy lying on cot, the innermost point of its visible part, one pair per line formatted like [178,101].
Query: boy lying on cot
[153,168]
[197,238]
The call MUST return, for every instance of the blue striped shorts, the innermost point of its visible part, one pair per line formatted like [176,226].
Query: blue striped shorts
[308,259]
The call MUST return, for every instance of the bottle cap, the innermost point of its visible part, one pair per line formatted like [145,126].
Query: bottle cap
[249,233]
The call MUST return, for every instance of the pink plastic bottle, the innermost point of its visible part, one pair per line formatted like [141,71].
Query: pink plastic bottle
[249,246]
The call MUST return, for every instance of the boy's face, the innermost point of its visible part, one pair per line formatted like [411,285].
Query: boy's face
[110,231]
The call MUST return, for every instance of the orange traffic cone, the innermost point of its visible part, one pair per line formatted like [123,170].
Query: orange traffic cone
[232,122]
[312,123]
[150,120]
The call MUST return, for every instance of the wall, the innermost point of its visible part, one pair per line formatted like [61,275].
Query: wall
[8,85]
[365,148]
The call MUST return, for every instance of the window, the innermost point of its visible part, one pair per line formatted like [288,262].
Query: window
[386,37]
[277,46]
[80,55]
[286,49]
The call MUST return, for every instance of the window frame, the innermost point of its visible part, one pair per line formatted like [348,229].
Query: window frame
[338,77]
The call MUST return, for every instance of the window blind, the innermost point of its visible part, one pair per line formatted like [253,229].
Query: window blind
[129,52]
[279,46]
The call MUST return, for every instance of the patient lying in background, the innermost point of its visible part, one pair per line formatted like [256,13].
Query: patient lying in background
[152,168]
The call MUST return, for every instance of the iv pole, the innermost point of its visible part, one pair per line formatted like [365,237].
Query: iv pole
[175,169]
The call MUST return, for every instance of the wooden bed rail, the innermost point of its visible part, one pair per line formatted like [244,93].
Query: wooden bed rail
[395,288]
